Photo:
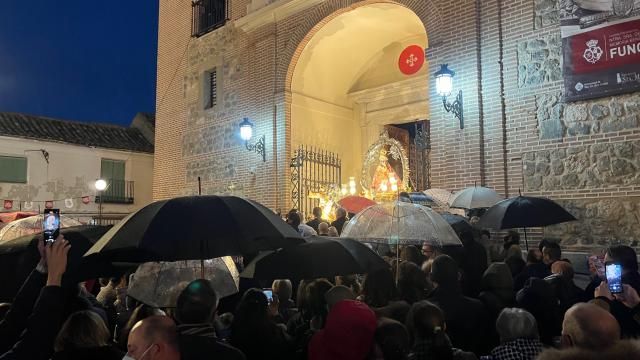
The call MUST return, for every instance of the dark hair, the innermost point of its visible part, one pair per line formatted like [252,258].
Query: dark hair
[624,255]
[316,303]
[379,288]
[393,339]
[252,327]
[294,219]
[196,303]
[412,254]
[412,282]
[544,242]
[552,249]
[485,232]
[426,321]
[317,212]
[532,256]
[444,271]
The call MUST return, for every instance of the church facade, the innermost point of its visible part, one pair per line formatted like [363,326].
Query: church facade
[322,80]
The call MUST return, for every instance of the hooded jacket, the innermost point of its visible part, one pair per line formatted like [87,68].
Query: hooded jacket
[347,335]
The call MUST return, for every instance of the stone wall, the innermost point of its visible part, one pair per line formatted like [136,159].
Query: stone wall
[602,222]
[557,119]
[539,61]
[546,13]
[583,167]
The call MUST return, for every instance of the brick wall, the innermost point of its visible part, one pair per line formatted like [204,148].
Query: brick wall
[505,54]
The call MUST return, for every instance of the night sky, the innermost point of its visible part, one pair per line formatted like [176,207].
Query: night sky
[78,60]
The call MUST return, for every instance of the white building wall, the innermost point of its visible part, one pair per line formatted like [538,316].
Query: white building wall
[71,173]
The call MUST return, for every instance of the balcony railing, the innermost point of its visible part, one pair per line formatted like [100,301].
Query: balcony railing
[117,192]
[208,15]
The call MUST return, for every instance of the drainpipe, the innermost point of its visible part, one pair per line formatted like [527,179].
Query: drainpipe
[503,105]
[480,98]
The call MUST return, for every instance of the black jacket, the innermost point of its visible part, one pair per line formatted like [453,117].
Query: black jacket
[199,342]
[95,353]
[466,318]
[16,318]
[339,223]
[36,343]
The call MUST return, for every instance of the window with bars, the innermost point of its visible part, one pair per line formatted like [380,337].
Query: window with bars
[13,169]
[211,89]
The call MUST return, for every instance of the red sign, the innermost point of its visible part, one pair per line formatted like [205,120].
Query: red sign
[86,200]
[601,50]
[411,60]
[606,48]
[8,204]
[49,204]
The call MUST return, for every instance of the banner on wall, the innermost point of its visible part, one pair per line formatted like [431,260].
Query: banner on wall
[601,47]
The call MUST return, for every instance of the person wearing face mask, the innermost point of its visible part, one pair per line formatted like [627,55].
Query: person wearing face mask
[154,338]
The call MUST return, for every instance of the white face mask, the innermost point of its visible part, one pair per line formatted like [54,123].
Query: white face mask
[127,357]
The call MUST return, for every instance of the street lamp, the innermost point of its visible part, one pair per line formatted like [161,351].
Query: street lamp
[246,133]
[444,88]
[100,185]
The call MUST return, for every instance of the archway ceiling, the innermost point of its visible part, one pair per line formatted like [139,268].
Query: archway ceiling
[355,51]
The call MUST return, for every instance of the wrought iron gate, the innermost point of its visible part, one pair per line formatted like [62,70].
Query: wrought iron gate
[312,171]
[419,156]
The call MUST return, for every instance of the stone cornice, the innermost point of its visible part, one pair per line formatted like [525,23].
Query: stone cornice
[404,87]
[276,11]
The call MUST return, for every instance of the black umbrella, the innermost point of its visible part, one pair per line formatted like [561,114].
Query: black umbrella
[19,256]
[460,224]
[195,227]
[523,212]
[319,257]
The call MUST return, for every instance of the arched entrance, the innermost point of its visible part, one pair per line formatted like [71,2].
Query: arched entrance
[346,82]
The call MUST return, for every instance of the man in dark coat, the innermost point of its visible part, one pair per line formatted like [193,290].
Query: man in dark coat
[341,220]
[195,310]
[317,219]
[465,317]
[474,264]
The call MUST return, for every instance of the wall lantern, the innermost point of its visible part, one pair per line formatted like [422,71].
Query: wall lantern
[444,87]
[246,133]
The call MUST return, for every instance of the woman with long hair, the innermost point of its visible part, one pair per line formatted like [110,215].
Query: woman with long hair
[84,335]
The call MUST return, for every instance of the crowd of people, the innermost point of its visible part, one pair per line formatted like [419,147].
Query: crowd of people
[435,303]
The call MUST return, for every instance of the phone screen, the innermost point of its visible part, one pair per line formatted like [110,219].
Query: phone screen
[51,225]
[614,278]
[269,294]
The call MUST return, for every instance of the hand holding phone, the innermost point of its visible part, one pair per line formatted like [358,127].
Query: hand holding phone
[51,225]
[269,294]
[614,277]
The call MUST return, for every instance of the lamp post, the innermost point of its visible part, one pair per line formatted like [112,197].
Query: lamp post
[246,132]
[444,87]
[100,185]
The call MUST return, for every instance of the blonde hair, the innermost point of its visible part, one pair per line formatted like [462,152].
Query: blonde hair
[83,329]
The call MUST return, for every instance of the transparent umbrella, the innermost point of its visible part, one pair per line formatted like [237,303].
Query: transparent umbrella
[441,197]
[159,283]
[31,225]
[401,223]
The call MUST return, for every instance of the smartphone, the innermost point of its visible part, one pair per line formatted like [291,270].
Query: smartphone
[614,278]
[51,225]
[269,294]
